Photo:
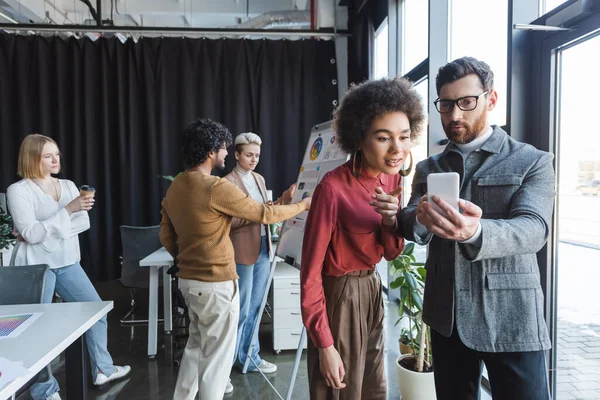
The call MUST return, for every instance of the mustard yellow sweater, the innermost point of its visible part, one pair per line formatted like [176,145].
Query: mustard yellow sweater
[196,219]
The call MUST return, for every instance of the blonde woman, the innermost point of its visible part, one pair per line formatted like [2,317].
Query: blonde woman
[49,214]
[252,244]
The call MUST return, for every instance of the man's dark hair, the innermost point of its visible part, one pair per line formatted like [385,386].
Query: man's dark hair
[200,138]
[462,67]
[370,100]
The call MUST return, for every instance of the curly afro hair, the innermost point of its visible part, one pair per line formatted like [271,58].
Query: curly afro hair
[202,137]
[370,100]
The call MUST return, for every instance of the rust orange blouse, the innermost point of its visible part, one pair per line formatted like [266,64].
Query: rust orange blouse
[343,233]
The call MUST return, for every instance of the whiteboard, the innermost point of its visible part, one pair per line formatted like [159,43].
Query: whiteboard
[322,155]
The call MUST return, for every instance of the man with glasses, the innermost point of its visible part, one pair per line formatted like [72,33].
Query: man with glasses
[483,298]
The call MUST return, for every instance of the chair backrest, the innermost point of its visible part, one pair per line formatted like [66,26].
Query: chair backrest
[137,242]
[22,284]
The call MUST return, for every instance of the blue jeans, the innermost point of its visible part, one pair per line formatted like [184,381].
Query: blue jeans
[72,285]
[252,285]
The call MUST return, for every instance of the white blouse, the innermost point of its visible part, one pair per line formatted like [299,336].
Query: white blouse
[50,233]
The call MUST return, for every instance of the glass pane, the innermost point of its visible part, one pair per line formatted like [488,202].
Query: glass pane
[550,5]
[416,33]
[380,61]
[419,150]
[474,33]
[577,265]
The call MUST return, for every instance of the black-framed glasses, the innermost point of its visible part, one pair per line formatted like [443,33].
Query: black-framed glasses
[467,103]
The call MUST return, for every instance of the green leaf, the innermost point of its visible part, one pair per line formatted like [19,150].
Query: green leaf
[397,264]
[395,284]
[408,249]
[410,280]
[404,293]
[417,300]
[422,272]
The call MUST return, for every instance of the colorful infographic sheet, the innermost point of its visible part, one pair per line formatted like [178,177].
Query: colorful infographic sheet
[11,326]
[321,156]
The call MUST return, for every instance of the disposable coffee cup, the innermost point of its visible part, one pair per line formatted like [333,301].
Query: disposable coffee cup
[84,190]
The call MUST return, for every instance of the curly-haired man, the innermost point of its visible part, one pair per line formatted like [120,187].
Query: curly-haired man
[196,219]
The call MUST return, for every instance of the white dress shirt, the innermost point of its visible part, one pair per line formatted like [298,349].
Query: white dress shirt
[50,232]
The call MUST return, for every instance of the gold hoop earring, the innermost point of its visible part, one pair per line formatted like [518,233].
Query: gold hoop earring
[354,172]
[406,172]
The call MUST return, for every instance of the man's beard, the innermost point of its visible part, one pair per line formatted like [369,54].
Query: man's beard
[220,166]
[471,132]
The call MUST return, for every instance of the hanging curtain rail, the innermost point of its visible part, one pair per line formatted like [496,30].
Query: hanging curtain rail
[322,33]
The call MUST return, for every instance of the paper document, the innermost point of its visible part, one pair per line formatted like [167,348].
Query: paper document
[10,370]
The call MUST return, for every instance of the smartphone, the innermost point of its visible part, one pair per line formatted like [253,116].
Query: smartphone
[445,185]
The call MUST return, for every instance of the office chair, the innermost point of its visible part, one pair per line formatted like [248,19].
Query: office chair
[137,242]
[181,319]
[23,285]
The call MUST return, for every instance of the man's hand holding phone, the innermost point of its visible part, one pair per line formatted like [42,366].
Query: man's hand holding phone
[443,219]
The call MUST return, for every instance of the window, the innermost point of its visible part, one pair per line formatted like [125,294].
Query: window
[478,28]
[380,59]
[549,5]
[416,33]
[419,150]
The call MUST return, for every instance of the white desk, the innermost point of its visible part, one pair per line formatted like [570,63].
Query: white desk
[160,259]
[60,327]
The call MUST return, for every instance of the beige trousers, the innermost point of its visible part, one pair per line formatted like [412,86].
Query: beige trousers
[214,309]
[355,310]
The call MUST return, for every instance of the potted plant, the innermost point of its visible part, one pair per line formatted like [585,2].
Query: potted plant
[7,236]
[414,368]
[405,340]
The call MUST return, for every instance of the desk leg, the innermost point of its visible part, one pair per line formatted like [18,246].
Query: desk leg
[153,311]
[77,370]
[296,364]
[167,300]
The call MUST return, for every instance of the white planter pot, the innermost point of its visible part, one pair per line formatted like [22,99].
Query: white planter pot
[415,385]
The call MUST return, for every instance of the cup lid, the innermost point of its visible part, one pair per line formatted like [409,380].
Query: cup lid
[87,188]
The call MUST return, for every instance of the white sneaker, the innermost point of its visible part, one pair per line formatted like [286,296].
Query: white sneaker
[120,372]
[266,367]
[229,387]
[55,396]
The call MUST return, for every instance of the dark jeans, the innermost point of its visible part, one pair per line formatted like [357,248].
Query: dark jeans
[512,376]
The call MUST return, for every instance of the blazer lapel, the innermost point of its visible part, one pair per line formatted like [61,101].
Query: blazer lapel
[494,146]
[261,187]
[238,181]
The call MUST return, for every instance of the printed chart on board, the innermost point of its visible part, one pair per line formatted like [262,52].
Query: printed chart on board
[321,156]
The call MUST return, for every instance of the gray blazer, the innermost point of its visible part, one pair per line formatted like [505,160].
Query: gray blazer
[492,293]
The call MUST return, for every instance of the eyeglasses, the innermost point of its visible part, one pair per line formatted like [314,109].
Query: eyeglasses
[467,103]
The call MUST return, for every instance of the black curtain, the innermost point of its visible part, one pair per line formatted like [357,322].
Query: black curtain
[364,17]
[117,110]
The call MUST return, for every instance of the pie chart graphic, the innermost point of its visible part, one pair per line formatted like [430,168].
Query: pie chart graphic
[316,148]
